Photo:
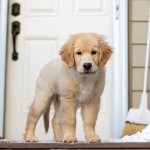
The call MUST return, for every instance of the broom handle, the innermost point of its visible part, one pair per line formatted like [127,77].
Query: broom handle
[144,101]
[147,58]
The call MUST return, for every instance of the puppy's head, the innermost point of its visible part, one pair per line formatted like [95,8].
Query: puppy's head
[86,52]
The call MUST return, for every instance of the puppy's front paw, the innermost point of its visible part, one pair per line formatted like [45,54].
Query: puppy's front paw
[30,138]
[58,138]
[69,138]
[93,138]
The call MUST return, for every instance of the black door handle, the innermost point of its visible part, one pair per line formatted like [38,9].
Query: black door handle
[15,9]
[15,32]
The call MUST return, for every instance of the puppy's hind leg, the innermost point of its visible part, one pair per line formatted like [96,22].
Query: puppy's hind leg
[57,128]
[40,103]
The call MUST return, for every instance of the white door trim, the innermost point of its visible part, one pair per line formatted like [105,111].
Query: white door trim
[120,66]
[3,38]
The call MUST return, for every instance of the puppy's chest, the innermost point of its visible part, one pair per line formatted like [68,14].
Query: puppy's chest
[85,92]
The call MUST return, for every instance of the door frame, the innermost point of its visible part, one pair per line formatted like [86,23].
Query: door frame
[119,67]
[3,40]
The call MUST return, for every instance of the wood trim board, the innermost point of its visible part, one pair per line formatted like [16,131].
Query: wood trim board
[79,145]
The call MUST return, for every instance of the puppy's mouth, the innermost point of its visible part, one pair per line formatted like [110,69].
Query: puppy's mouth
[87,72]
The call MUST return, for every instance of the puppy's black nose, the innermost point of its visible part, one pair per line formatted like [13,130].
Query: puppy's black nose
[87,66]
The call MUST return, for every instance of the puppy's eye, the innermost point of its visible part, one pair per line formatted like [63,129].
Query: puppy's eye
[78,53]
[93,52]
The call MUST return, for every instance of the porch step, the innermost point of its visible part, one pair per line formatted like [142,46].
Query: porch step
[45,145]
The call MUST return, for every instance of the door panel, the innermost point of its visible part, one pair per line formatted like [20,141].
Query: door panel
[45,26]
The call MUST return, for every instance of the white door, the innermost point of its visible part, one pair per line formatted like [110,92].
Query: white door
[45,26]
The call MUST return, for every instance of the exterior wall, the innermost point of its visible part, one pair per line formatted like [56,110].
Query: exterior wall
[138,23]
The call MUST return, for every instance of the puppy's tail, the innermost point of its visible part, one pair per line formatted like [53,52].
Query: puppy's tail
[46,118]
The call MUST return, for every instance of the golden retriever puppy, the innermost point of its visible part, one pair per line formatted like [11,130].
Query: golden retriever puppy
[77,79]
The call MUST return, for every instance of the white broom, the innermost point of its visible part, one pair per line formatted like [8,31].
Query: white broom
[137,119]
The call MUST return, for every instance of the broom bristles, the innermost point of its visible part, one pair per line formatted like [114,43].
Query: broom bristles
[131,128]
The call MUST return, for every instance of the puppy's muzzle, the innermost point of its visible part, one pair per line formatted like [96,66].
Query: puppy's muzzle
[87,66]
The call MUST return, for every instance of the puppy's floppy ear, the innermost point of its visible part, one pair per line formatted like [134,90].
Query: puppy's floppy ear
[106,52]
[105,49]
[67,53]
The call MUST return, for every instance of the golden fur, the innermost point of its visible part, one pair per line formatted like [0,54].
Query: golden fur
[67,84]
